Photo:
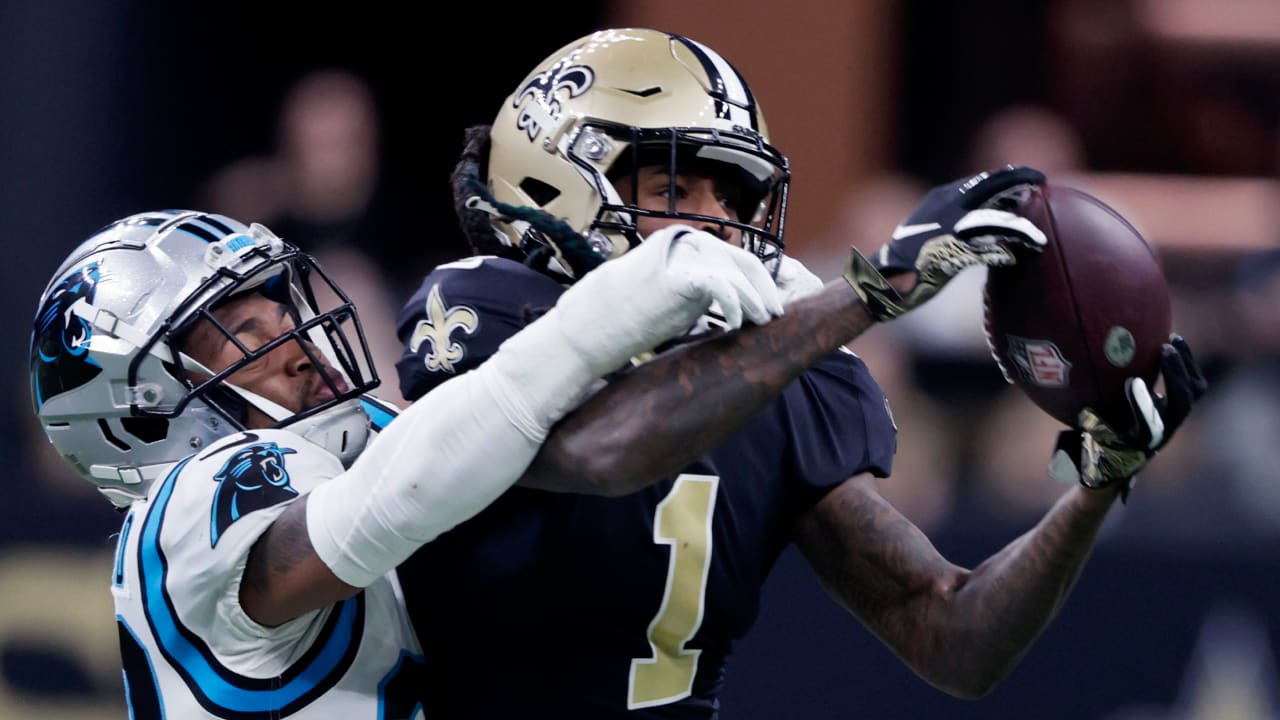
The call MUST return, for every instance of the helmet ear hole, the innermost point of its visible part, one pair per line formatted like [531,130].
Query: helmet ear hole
[110,436]
[540,192]
[146,429]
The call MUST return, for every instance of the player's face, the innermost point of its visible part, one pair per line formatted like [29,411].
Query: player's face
[694,194]
[286,375]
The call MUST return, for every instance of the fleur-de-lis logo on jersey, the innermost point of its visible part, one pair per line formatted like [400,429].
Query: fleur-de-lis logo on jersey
[438,327]
[544,89]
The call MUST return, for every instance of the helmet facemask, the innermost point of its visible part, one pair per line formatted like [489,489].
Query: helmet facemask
[325,329]
[113,385]
[603,105]
[753,175]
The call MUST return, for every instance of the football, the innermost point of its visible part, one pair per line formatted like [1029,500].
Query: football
[1069,324]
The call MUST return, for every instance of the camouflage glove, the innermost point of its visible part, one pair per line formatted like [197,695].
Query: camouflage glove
[1097,456]
[954,227]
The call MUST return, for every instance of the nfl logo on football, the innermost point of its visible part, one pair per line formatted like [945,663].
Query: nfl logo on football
[1040,362]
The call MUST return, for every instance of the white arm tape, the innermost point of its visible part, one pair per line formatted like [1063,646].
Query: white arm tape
[449,455]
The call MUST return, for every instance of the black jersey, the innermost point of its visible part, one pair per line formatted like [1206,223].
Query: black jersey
[554,605]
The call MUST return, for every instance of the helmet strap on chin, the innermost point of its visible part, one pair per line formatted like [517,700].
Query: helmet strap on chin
[272,410]
[342,429]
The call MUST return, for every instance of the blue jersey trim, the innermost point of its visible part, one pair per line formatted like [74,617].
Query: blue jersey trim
[405,680]
[118,576]
[379,416]
[218,689]
[148,702]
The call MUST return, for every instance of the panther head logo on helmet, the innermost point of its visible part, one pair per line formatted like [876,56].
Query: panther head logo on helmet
[60,340]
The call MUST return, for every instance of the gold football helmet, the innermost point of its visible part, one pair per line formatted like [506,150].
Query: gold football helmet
[614,101]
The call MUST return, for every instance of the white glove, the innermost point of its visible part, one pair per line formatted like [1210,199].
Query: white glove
[480,430]
[658,290]
[795,281]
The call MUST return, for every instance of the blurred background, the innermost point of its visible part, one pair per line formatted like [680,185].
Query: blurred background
[338,129]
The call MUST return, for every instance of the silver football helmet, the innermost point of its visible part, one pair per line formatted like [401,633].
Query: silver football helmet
[609,103]
[112,387]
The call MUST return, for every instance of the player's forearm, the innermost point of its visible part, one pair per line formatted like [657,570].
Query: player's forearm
[443,460]
[1004,604]
[961,630]
[677,407]
[283,577]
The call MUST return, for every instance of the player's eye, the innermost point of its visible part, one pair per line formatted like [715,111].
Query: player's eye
[253,341]
[664,190]
[728,193]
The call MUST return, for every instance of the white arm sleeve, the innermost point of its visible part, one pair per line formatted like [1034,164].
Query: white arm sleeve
[466,442]
[448,455]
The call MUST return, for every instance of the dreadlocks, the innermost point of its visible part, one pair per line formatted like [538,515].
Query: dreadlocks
[476,207]
[467,174]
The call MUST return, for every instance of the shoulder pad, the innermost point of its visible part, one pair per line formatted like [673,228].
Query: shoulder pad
[462,313]
[251,471]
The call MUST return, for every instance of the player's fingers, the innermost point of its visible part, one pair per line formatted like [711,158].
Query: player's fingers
[755,304]
[692,259]
[1064,465]
[762,285]
[1179,390]
[1199,385]
[983,189]
[722,292]
[1150,425]
[986,221]
[991,250]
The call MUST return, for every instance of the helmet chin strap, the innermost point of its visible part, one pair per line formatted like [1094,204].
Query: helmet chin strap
[342,429]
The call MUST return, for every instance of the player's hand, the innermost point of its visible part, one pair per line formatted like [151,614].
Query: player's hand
[706,270]
[956,226]
[795,280]
[1099,456]
[658,290]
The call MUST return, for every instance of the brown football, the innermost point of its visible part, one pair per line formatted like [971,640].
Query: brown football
[1069,324]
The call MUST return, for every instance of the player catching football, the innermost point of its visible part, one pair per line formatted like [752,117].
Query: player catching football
[556,605]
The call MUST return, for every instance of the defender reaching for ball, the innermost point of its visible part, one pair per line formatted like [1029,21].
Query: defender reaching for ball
[190,367]
[629,607]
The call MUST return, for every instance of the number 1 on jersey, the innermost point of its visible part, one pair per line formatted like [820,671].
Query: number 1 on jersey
[682,521]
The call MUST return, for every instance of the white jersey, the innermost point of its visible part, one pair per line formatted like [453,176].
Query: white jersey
[188,648]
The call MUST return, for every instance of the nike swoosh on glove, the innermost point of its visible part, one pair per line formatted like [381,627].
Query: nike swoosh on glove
[956,226]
